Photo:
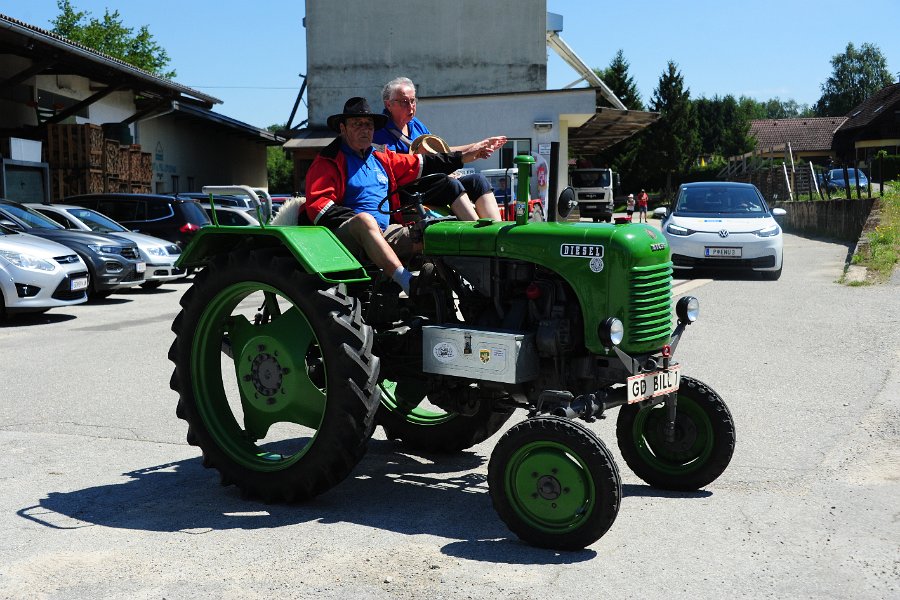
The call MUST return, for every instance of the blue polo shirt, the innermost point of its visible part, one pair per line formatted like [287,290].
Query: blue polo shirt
[389,136]
[367,184]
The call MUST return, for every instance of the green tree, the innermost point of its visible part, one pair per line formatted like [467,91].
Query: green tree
[856,75]
[110,36]
[620,81]
[279,167]
[673,144]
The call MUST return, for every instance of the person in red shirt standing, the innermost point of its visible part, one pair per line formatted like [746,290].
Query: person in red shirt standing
[642,201]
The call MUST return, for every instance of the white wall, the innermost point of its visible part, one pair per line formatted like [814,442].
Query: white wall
[460,120]
[193,149]
[354,47]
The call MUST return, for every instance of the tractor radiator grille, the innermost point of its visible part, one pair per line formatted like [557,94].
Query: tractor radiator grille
[650,306]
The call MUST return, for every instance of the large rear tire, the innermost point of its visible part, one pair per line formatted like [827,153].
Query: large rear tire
[554,483]
[703,446]
[280,399]
[405,415]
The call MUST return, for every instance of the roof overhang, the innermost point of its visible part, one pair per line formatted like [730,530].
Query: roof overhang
[51,54]
[607,127]
[240,128]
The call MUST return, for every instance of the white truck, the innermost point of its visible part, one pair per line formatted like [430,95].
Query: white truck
[594,192]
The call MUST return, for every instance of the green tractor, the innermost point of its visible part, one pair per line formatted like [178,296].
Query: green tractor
[289,352]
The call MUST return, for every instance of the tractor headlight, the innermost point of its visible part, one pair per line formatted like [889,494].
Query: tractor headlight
[688,309]
[611,332]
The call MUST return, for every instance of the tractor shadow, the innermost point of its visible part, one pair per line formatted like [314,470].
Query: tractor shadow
[389,489]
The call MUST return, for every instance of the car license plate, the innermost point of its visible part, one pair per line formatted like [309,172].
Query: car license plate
[141,267]
[649,385]
[78,284]
[723,252]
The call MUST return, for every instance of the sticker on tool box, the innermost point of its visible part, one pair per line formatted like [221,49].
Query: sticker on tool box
[445,351]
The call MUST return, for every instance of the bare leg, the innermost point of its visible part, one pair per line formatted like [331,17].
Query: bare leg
[463,209]
[486,207]
[365,230]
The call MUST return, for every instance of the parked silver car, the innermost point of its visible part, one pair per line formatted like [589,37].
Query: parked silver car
[159,254]
[37,274]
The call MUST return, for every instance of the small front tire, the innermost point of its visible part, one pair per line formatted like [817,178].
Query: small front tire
[704,439]
[554,483]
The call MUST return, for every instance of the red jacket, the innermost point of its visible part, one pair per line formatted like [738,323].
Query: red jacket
[327,179]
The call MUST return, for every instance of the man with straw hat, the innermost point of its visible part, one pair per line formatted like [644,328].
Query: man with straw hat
[349,178]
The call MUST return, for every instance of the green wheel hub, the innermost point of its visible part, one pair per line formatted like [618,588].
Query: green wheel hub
[549,487]
[405,399]
[694,438]
[273,377]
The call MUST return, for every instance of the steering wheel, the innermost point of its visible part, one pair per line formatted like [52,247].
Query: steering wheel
[419,191]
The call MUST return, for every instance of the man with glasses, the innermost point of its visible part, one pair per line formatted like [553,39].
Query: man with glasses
[399,96]
[348,180]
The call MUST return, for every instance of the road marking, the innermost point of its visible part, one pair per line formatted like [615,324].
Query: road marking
[683,287]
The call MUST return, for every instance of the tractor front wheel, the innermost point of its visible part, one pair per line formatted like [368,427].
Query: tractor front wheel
[554,483]
[702,448]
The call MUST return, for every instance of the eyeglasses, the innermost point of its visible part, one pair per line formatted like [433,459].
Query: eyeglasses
[404,101]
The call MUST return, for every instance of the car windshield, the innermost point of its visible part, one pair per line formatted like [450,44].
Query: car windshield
[584,179]
[720,200]
[194,213]
[31,218]
[96,221]
[839,174]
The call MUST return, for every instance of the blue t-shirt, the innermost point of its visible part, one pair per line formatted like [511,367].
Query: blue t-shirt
[389,136]
[367,184]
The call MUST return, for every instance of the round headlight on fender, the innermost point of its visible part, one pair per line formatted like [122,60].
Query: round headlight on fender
[611,332]
[688,309]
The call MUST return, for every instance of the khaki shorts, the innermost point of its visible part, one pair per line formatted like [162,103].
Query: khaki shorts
[399,237]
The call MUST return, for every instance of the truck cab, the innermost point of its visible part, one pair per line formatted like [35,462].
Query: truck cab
[594,192]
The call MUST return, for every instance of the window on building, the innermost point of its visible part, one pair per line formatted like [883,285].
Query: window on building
[191,184]
[175,189]
[511,149]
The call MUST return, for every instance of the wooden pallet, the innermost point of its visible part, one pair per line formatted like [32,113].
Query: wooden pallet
[75,146]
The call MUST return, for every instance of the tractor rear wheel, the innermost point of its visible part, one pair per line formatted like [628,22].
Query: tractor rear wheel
[703,445]
[406,415]
[554,483]
[275,376]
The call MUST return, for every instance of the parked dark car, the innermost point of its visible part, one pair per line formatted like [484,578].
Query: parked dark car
[834,179]
[113,262]
[171,218]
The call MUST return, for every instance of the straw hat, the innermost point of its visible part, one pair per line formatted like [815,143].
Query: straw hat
[428,143]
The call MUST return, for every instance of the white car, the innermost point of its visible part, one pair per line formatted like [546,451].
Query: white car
[232,215]
[37,274]
[723,225]
[159,254]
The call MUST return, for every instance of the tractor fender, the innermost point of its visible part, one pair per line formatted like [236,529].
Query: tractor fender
[316,249]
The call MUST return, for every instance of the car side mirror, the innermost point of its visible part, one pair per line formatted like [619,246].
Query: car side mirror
[11,225]
[565,203]
[660,212]
[778,212]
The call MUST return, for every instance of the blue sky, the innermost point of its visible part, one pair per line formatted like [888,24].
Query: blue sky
[250,54]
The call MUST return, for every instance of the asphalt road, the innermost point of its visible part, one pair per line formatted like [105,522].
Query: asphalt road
[103,498]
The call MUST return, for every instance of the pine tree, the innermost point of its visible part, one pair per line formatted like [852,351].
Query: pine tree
[622,84]
[673,142]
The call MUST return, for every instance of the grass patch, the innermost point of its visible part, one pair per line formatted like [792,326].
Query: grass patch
[882,252]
